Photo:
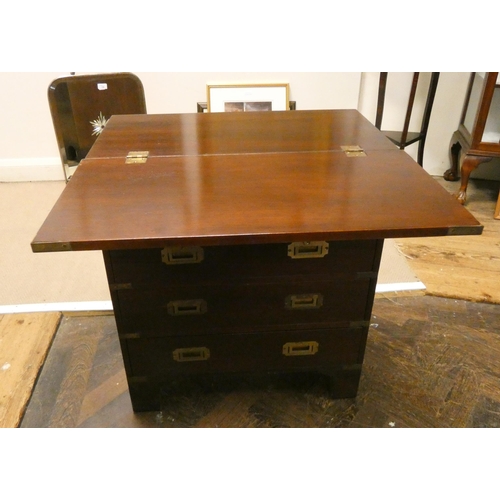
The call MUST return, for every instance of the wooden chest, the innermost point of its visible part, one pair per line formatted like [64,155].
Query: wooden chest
[239,244]
[243,308]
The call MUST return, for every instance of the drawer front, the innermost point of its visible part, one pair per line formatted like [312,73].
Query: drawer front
[281,351]
[238,262]
[238,308]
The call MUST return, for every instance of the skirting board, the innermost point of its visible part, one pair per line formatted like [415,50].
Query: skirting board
[399,287]
[31,169]
[106,305]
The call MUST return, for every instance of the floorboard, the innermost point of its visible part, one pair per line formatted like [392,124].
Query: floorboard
[430,362]
[24,344]
[464,267]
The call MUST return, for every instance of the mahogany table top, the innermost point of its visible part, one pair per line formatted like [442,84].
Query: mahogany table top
[246,178]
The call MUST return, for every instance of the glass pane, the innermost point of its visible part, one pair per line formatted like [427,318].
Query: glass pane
[475,96]
[492,127]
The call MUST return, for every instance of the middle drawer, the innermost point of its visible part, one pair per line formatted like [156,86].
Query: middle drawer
[240,308]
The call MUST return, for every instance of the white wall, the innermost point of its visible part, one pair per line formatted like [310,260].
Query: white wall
[179,92]
[445,116]
[28,149]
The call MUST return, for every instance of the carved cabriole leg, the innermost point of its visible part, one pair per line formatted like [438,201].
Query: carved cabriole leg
[468,165]
[452,173]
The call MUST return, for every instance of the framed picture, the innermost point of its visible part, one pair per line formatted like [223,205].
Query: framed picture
[248,97]
[201,107]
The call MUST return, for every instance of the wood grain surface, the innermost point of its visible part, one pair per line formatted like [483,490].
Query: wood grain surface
[277,182]
[429,362]
[461,267]
[195,134]
[24,342]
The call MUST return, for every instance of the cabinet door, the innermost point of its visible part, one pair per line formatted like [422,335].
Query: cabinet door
[481,116]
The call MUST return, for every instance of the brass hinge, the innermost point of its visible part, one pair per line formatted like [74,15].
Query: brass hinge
[464,230]
[359,324]
[137,157]
[51,247]
[120,286]
[353,150]
[126,336]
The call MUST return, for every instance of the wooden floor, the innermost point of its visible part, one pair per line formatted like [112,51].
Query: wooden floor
[24,344]
[431,361]
[464,267]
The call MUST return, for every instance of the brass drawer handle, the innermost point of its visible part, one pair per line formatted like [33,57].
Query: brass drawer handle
[300,348]
[191,354]
[182,255]
[308,249]
[186,307]
[305,301]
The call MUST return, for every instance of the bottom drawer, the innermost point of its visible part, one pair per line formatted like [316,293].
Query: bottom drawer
[255,352]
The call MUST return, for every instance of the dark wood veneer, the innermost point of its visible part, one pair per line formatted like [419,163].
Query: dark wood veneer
[246,199]
[245,186]
[237,133]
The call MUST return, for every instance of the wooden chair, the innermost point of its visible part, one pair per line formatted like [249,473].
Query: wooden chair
[81,105]
[405,138]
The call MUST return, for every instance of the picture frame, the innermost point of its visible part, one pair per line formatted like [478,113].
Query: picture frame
[248,97]
[202,107]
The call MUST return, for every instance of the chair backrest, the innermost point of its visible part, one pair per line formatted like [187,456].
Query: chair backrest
[81,105]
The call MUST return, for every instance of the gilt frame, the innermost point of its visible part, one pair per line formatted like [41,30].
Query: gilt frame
[248,97]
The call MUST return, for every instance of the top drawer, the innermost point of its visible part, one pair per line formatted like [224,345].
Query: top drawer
[241,262]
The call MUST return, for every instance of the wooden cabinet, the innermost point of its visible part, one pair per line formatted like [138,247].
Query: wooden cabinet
[478,135]
[243,308]
[244,242]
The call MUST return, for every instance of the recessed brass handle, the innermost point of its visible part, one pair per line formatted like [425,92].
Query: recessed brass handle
[308,249]
[306,348]
[191,354]
[304,301]
[182,255]
[186,307]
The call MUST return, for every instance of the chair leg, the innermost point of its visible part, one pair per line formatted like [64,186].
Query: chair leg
[420,156]
[409,109]
[381,98]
